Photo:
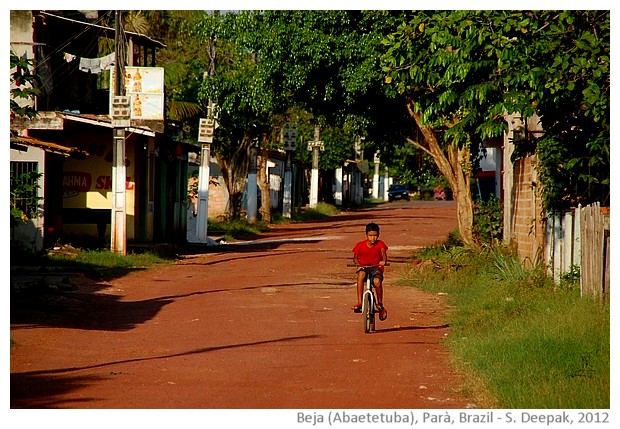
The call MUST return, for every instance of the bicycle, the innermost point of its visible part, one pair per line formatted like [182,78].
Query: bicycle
[369,298]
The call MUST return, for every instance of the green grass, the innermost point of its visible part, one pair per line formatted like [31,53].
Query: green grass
[528,342]
[321,211]
[243,230]
[236,229]
[100,264]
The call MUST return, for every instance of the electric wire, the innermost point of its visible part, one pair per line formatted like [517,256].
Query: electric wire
[61,73]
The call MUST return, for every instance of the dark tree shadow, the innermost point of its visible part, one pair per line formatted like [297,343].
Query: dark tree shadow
[42,389]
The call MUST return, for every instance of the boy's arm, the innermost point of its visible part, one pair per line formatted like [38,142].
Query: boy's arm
[383,260]
[355,255]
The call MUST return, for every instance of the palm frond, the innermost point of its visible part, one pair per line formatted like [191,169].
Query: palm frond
[182,110]
[137,22]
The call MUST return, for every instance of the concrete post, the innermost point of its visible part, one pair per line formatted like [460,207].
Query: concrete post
[252,186]
[315,146]
[386,184]
[118,226]
[288,182]
[202,211]
[338,190]
[375,177]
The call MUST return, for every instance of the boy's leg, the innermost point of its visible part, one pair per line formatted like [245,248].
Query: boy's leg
[379,288]
[361,276]
[378,281]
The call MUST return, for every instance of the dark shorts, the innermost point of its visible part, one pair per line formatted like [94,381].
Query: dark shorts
[375,273]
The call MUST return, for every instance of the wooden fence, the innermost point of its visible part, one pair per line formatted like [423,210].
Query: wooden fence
[580,238]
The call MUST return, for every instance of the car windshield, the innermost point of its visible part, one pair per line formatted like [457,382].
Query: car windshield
[397,188]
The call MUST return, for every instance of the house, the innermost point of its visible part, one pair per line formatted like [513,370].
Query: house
[70,141]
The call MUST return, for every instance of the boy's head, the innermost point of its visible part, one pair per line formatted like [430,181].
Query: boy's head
[372,227]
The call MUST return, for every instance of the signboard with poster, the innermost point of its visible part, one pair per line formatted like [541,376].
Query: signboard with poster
[145,88]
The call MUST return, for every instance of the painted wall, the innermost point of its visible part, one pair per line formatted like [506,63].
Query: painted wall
[88,183]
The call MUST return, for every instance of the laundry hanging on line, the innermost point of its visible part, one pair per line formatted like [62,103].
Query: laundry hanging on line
[97,65]
[93,65]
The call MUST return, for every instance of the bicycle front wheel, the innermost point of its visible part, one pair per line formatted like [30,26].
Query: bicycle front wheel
[368,314]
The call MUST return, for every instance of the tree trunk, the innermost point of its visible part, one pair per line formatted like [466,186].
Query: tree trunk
[263,181]
[455,165]
[235,173]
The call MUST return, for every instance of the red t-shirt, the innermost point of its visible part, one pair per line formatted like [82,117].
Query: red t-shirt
[369,255]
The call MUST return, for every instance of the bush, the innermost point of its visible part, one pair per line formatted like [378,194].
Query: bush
[489,220]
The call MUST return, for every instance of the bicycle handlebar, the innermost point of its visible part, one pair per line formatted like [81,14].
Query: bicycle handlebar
[387,264]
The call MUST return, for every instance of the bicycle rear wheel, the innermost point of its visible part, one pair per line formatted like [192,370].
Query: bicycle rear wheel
[368,314]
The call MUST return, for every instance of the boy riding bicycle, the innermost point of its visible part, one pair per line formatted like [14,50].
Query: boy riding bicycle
[371,251]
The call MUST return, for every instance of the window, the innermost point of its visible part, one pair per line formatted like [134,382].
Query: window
[24,186]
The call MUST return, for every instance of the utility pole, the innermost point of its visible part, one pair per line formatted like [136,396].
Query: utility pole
[252,186]
[386,184]
[338,190]
[289,137]
[358,187]
[315,146]
[205,137]
[120,121]
[375,177]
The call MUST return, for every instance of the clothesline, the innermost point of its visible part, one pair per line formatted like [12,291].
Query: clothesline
[92,65]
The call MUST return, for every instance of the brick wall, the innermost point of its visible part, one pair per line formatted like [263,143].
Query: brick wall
[527,217]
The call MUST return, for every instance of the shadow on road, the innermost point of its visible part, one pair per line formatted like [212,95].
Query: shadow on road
[44,391]
[82,311]
[41,389]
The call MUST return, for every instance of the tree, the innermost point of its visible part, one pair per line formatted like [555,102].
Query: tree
[184,59]
[438,62]
[24,197]
[568,86]
[24,86]
[325,63]
[245,102]
[461,72]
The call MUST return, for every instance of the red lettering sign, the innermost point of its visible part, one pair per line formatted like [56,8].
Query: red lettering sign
[76,181]
[105,183]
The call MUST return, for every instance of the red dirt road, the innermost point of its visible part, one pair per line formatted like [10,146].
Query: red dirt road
[265,325]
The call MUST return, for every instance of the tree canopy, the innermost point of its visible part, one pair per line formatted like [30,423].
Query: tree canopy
[454,75]
[462,72]
[321,67]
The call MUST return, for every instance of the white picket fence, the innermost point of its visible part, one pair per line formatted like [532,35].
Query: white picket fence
[580,238]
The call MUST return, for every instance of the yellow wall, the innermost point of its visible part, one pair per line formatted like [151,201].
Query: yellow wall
[88,183]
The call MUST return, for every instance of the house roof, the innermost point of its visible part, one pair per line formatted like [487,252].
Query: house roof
[53,120]
[109,32]
[17,141]
[104,121]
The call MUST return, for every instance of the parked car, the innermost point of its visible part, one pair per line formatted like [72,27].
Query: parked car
[398,191]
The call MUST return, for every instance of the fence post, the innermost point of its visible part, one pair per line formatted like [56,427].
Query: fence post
[577,239]
[586,236]
[567,240]
[557,247]
[549,245]
[595,253]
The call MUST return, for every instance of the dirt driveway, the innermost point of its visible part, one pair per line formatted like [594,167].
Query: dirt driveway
[261,325]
